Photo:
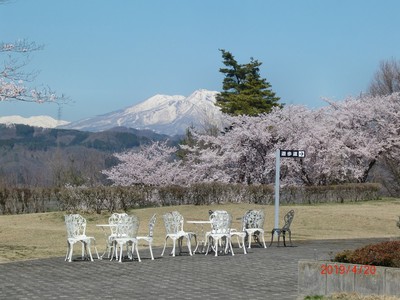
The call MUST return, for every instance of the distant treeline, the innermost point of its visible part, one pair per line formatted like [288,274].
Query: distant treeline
[45,157]
[111,198]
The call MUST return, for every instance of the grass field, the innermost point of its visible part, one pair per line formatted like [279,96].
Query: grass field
[41,235]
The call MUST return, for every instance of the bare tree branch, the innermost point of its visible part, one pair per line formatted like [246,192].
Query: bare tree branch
[387,79]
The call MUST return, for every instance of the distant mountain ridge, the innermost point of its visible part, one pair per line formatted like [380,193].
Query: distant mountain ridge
[164,114]
[36,121]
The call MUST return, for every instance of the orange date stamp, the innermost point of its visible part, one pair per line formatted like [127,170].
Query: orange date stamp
[339,269]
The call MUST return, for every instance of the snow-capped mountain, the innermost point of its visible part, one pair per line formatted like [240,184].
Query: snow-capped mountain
[37,121]
[162,113]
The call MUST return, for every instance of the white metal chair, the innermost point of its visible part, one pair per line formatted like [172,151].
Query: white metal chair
[113,221]
[253,224]
[241,237]
[126,235]
[149,238]
[76,232]
[173,222]
[220,231]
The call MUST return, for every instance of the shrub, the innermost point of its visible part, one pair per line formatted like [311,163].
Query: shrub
[385,254]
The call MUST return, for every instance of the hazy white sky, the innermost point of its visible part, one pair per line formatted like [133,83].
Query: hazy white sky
[108,55]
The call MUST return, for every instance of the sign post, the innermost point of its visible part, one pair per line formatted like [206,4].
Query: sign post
[278,155]
[277,176]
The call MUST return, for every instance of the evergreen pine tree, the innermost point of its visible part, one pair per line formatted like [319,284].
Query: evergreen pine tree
[244,91]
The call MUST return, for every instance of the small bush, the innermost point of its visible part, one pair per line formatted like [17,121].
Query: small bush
[385,254]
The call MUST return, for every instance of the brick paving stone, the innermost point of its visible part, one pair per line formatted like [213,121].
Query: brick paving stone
[261,274]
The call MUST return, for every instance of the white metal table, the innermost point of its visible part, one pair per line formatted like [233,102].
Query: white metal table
[103,226]
[200,224]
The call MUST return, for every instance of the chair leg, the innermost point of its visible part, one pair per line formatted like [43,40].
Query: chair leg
[229,241]
[110,247]
[151,251]
[121,247]
[89,251]
[97,252]
[137,252]
[165,245]
[196,243]
[262,241]
[67,254]
[189,245]
[244,245]
[257,237]
[173,247]
[84,250]
[272,237]
[71,248]
[114,251]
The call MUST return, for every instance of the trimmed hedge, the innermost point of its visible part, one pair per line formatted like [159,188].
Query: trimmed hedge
[112,198]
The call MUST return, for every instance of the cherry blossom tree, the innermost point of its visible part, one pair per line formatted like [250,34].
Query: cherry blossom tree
[153,164]
[14,80]
[343,141]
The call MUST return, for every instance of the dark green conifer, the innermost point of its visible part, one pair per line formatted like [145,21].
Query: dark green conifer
[244,91]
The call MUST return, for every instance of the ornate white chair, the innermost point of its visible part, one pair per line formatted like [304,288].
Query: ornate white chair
[253,225]
[126,235]
[76,232]
[113,221]
[149,238]
[241,236]
[173,222]
[220,232]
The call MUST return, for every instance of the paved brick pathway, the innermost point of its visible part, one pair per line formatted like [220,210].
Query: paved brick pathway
[261,274]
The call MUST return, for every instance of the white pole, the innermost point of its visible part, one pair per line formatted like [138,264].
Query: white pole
[277,175]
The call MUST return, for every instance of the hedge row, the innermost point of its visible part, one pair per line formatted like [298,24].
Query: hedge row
[25,200]
[97,199]
[385,254]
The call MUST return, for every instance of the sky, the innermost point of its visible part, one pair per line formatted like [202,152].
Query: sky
[108,55]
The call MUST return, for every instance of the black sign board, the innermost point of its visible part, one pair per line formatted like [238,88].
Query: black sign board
[293,153]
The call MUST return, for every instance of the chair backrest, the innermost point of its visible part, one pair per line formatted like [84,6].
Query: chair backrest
[288,219]
[221,222]
[152,223]
[253,219]
[128,227]
[115,219]
[173,222]
[76,225]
